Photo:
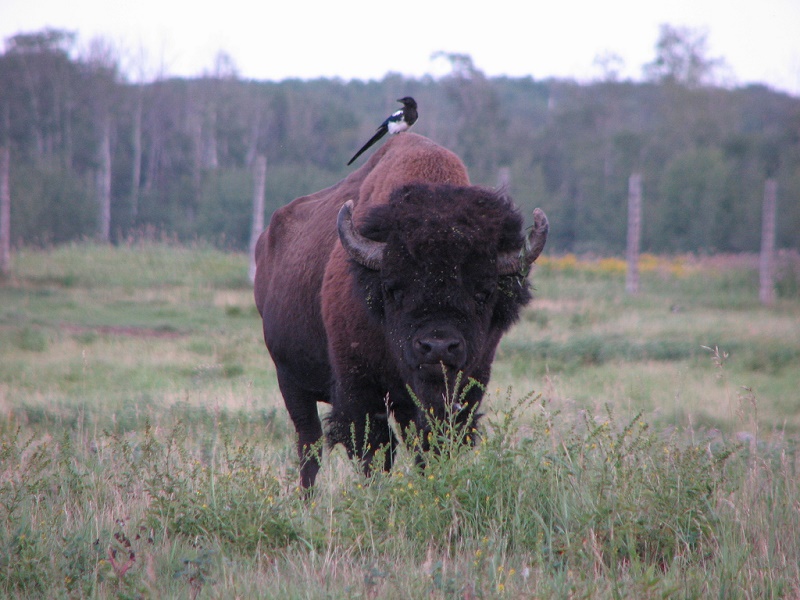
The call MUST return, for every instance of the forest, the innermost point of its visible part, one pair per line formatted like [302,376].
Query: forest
[96,154]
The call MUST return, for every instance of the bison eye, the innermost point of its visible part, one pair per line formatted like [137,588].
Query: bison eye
[393,292]
[482,294]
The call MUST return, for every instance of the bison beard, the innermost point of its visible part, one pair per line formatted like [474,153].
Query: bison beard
[419,287]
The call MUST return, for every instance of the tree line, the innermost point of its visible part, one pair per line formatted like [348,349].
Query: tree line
[93,154]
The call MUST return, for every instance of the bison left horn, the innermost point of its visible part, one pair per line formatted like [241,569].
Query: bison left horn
[363,250]
[519,262]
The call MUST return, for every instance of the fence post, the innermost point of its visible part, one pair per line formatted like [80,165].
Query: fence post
[634,232]
[504,177]
[5,212]
[259,185]
[766,291]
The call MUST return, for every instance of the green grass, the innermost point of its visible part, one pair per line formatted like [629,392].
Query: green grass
[632,447]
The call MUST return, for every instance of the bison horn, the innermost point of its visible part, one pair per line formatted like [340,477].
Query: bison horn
[364,251]
[518,262]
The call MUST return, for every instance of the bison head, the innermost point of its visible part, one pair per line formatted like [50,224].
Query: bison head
[443,269]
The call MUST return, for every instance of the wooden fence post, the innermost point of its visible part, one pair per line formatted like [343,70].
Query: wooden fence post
[259,185]
[766,291]
[634,232]
[103,181]
[504,177]
[5,212]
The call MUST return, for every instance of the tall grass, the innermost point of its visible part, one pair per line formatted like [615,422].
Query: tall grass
[144,451]
[577,504]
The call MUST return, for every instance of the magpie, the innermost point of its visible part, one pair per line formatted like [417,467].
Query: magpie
[397,122]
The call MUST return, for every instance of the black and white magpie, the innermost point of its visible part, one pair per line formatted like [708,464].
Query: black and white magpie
[397,122]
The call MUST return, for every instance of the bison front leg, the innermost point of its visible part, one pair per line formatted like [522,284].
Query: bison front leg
[309,450]
[302,407]
[365,433]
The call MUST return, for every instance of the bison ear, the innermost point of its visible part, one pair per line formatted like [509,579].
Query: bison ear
[511,263]
[366,252]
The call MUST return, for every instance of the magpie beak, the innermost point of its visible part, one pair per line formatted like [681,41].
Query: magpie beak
[397,122]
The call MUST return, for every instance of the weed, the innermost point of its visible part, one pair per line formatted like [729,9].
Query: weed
[31,339]
[196,572]
[230,499]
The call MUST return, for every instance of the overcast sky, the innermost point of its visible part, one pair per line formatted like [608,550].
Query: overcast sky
[365,39]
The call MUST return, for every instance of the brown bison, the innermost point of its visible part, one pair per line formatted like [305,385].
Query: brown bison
[399,277]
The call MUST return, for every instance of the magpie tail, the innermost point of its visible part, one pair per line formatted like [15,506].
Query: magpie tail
[378,135]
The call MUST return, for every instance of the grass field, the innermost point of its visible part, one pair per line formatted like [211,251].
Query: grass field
[632,447]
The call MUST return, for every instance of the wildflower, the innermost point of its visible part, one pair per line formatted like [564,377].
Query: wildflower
[501,587]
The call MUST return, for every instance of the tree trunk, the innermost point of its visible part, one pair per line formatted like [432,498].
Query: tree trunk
[5,212]
[36,120]
[766,292]
[259,185]
[104,181]
[634,232]
[136,174]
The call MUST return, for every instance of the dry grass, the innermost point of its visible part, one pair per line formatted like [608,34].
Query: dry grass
[139,407]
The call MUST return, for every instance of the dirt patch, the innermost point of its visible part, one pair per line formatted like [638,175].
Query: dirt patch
[123,331]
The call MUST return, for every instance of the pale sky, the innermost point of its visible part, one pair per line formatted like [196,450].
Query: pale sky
[365,39]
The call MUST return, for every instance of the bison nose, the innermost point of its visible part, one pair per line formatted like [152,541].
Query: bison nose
[439,346]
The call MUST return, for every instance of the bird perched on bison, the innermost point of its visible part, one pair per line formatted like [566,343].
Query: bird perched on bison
[397,122]
[401,276]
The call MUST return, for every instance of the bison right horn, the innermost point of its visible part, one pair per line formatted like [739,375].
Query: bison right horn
[363,250]
[511,263]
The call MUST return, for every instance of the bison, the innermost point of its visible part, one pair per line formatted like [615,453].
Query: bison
[400,277]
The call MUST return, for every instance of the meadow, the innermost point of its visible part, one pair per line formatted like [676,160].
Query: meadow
[631,447]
